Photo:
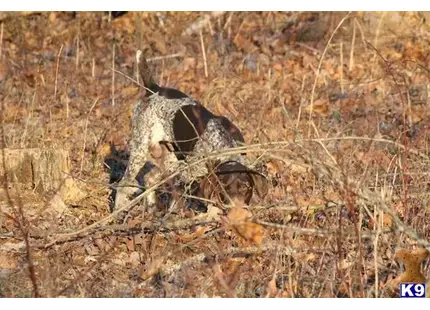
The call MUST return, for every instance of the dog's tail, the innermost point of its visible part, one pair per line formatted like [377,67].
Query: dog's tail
[146,74]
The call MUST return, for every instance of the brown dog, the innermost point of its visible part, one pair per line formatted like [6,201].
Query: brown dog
[168,116]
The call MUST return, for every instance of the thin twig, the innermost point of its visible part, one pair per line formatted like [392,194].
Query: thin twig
[113,74]
[313,231]
[1,39]
[85,134]
[78,42]
[19,221]
[375,44]
[157,58]
[109,230]
[56,78]
[319,72]
[351,55]
[299,114]
[251,250]
[93,68]
[341,68]
[205,63]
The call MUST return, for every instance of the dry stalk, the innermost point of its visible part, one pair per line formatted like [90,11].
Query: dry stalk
[322,169]
[299,114]
[78,42]
[404,155]
[1,39]
[375,44]
[318,74]
[313,231]
[157,58]
[24,134]
[341,68]
[56,79]
[365,196]
[93,68]
[113,74]
[202,44]
[351,55]
[109,230]
[85,134]
[19,219]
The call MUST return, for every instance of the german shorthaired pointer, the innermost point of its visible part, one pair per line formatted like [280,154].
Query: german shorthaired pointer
[168,128]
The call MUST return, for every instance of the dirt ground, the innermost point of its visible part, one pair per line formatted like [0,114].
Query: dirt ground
[334,108]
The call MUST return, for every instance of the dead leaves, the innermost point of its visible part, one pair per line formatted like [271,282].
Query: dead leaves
[129,91]
[245,44]
[238,220]
[4,69]
[125,23]
[319,107]
[378,158]
[150,269]
[188,237]
[7,262]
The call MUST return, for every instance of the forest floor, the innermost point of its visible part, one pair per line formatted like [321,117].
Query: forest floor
[334,107]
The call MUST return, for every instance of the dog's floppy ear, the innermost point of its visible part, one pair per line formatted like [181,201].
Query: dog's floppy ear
[207,187]
[208,183]
[260,183]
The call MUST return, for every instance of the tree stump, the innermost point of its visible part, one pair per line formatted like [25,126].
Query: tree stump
[44,170]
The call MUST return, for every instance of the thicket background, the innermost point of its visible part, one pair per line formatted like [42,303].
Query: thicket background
[335,108]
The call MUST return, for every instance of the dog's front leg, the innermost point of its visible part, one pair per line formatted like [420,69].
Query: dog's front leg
[129,186]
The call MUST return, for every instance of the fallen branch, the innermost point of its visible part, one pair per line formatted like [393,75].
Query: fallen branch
[250,250]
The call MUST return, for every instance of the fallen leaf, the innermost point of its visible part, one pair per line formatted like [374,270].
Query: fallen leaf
[125,23]
[237,220]
[238,215]
[91,249]
[129,91]
[159,41]
[130,244]
[376,157]
[250,232]
[194,235]
[272,166]
[104,150]
[135,258]
[189,63]
[245,44]
[319,107]
[7,261]
[150,269]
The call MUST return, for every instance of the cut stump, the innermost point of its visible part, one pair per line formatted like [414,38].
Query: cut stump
[44,170]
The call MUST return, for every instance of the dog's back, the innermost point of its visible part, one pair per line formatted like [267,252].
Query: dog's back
[191,122]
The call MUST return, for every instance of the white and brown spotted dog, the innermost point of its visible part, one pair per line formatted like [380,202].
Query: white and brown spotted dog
[166,116]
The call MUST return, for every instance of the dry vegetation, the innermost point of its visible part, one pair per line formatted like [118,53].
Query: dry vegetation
[334,107]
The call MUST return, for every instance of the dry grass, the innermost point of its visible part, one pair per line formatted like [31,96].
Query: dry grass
[345,195]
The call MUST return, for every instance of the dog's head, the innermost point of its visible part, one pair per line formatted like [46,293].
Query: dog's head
[232,180]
